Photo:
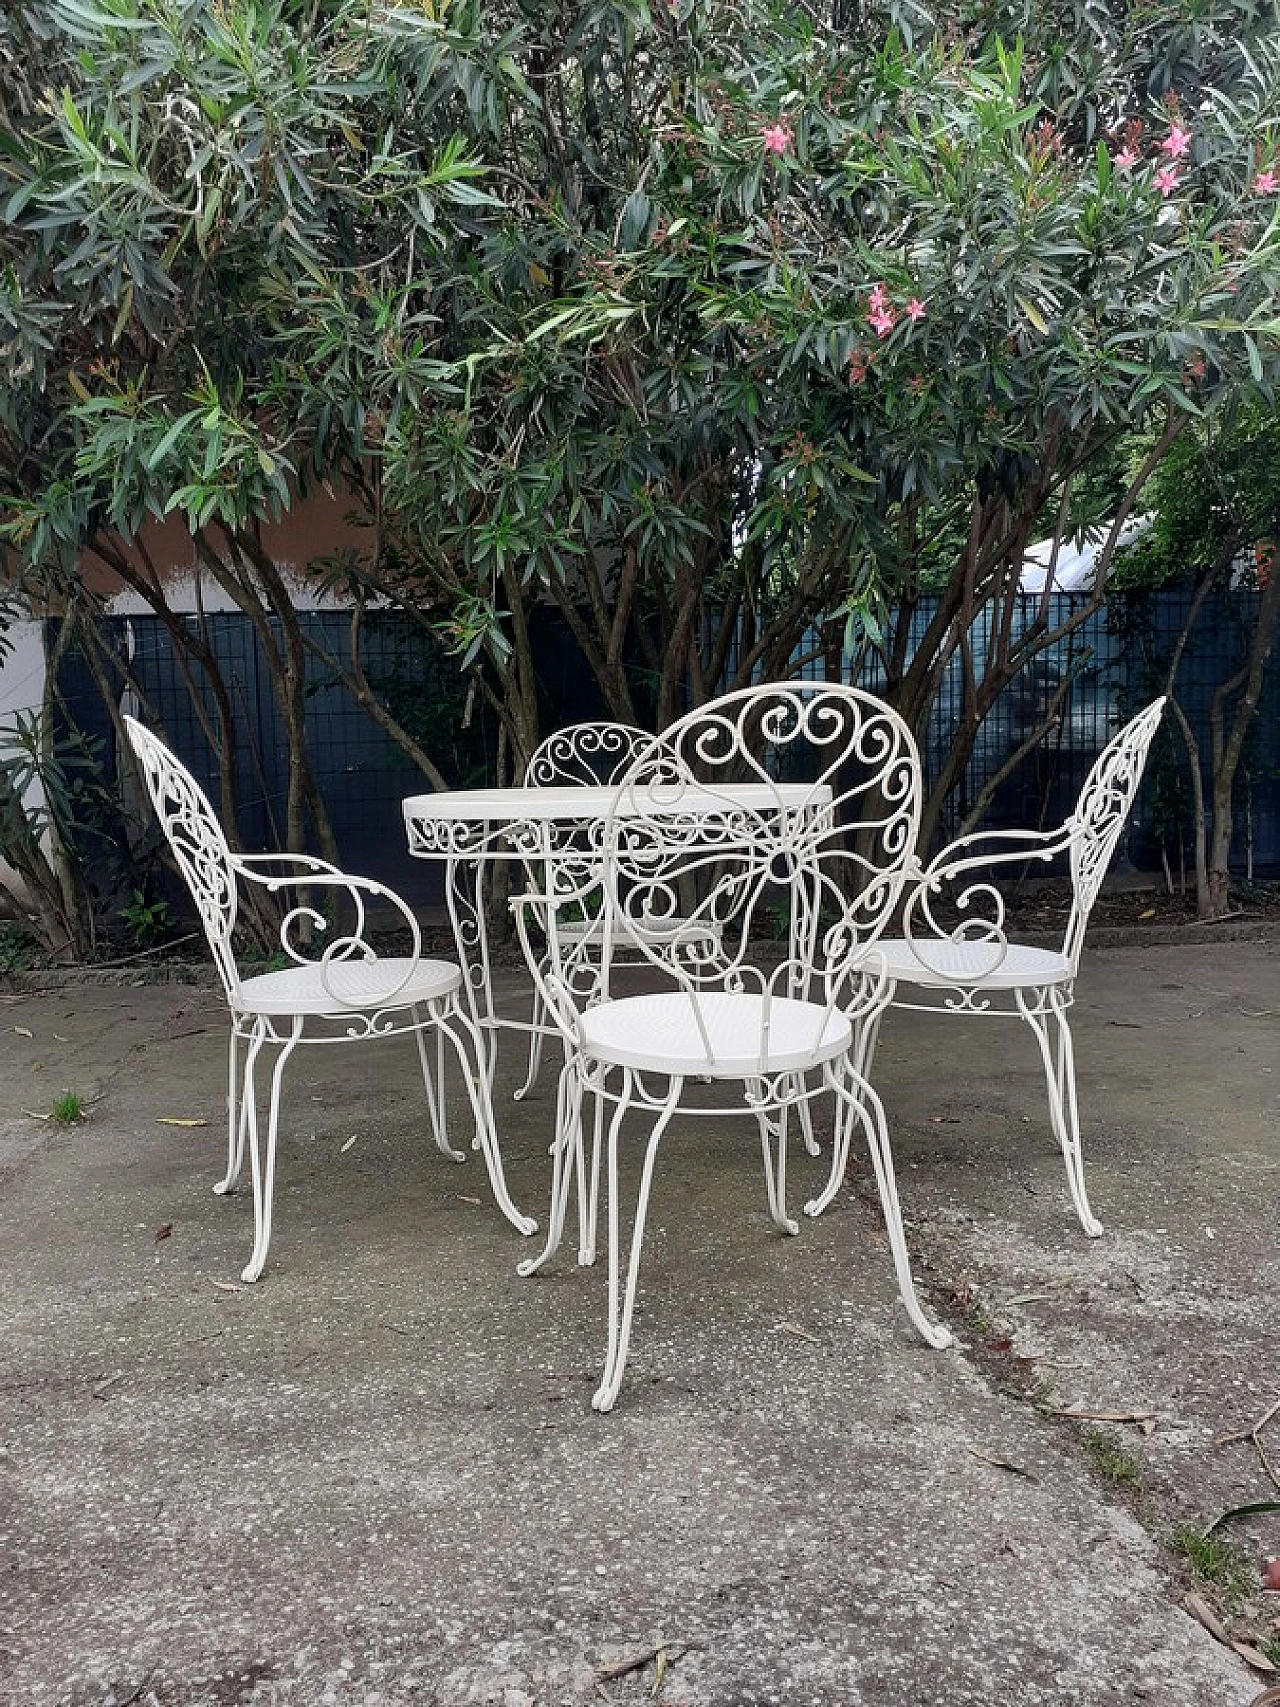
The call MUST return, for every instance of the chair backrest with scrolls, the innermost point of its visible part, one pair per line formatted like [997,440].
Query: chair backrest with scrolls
[788,810]
[197,842]
[1101,813]
[585,755]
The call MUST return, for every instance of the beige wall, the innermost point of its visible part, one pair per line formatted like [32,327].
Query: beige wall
[317,526]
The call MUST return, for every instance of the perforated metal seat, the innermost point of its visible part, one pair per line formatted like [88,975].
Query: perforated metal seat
[727,1036]
[942,964]
[347,985]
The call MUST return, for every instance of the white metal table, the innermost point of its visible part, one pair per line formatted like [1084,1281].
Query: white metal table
[472,829]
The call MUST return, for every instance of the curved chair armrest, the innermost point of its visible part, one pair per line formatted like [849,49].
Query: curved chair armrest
[958,869]
[352,944]
[308,862]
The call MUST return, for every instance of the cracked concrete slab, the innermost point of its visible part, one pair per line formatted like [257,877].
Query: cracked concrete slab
[376,1478]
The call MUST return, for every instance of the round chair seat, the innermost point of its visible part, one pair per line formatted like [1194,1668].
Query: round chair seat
[660,1033]
[940,964]
[346,986]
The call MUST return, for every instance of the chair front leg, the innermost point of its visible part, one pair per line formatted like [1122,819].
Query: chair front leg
[434,1084]
[622,1303]
[475,1077]
[805,1112]
[539,1019]
[771,1117]
[865,1106]
[566,1154]
[865,1035]
[235,1118]
[589,1185]
[264,1172]
[1045,1011]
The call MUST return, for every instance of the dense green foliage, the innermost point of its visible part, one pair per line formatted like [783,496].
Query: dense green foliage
[705,323]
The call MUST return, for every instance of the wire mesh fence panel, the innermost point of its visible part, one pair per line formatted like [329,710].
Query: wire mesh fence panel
[1106,668]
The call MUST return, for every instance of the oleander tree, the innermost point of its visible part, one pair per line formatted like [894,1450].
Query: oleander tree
[729,332]
[810,353]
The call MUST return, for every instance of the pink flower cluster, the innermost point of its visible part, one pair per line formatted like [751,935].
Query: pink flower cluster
[882,316]
[1177,145]
[1267,181]
[777,138]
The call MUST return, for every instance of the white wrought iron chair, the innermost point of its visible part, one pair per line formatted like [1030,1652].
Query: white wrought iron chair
[339,993]
[794,799]
[582,755]
[969,966]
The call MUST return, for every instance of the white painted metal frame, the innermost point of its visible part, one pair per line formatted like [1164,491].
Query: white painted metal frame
[684,845]
[470,830]
[970,968]
[584,755]
[341,993]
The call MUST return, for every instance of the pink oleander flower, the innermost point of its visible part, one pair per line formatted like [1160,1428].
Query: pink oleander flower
[1125,160]
[1167,180]
[1177,143]
[882,321]
[777,138]
[878,299]
[1266,183]
[915,309]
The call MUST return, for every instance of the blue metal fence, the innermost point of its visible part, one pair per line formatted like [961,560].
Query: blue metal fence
[1116,661]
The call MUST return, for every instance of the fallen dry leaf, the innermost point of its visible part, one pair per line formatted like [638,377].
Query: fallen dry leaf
[22,1031]
[1253,1656]
[1004,1464]
[1271,1575]
[350,1141]
[1101,1416]
[174,1120]
[1203,1613]
[226,1286]
[164,1232]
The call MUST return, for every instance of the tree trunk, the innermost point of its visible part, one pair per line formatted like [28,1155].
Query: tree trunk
[1228,747]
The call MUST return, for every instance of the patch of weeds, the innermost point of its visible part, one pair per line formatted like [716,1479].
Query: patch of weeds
[148,922]
[19,950]
[1214,1561]
[68,1109]
[981,1323]
[277,962]
[1271,1648]
[1110,1459]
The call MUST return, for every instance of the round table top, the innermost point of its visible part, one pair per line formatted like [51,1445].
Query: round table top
[585,804]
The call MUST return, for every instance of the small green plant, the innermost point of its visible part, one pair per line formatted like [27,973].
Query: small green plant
[1271,1649]
[68,1109]
[1111,1460]
[1214,1561]
[18,949]
[148,922]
